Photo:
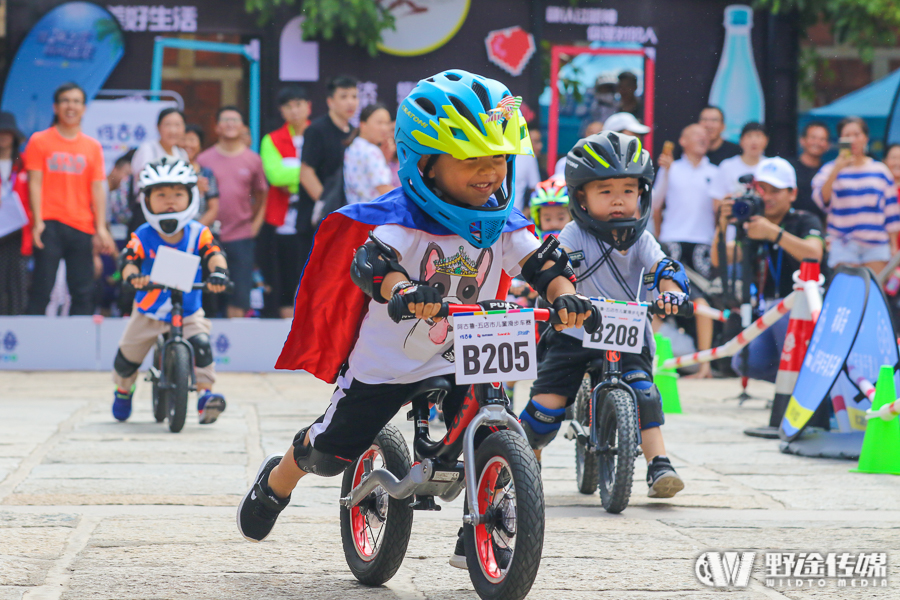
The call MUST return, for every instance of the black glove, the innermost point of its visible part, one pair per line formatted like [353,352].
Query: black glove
[218,277]
[398,308]
[572,303]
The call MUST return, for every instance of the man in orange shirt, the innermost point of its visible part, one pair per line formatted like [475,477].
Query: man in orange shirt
[65,180]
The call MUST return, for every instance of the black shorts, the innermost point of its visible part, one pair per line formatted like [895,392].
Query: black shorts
[358,411]
[564,362]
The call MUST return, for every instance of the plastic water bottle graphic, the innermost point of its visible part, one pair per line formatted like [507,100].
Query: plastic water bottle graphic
[736,88]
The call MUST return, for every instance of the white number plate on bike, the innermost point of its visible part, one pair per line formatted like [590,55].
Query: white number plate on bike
[623,326]
[494,346]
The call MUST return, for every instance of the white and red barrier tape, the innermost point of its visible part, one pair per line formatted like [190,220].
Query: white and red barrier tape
[736,343]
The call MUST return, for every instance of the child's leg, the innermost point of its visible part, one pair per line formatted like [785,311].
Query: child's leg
[662,480]
[196,331]
[559,377]
[358,411]
[652,443]
[138,338]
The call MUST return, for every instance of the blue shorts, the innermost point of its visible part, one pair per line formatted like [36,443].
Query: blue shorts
[853,253]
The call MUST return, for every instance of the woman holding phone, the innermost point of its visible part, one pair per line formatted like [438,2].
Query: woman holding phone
[859,195]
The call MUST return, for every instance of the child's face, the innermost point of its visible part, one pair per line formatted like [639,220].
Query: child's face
[169,199]
[554,218]
[606,199]
[471,181]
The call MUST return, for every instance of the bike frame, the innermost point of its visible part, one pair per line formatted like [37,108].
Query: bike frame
[611,378]
[175,337]
[437,469]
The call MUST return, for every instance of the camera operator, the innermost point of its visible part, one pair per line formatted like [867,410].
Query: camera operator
[781,238]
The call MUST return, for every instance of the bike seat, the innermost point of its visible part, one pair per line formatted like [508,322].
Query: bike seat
[433,388]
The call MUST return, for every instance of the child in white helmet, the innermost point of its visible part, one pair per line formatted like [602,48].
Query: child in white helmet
[170,201]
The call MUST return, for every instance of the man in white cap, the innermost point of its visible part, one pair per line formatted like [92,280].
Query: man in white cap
[787,237]
[625,122]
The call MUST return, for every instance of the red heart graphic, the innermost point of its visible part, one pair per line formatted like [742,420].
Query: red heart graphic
[510,49]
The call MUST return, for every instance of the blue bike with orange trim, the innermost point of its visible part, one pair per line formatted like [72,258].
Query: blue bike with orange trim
[172,370]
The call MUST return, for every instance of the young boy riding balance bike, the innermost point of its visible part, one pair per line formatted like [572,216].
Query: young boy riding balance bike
[610,178]
[450,234]
[170,201]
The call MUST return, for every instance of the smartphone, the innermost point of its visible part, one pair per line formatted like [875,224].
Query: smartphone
[668,147]
[844,146]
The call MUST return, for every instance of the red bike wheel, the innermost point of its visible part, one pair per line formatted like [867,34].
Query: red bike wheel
[366,522]
[491,498]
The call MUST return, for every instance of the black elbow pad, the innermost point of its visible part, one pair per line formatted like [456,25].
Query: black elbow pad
[533,271]
[371,263]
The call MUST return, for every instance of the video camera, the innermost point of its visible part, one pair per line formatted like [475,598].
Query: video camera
[749,204]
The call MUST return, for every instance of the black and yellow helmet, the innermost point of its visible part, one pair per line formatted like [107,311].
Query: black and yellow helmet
[610,155]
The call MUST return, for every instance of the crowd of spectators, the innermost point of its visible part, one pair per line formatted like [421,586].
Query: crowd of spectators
[63,219]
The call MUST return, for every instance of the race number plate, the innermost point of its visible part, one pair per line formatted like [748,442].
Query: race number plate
[494,346]
[623,327]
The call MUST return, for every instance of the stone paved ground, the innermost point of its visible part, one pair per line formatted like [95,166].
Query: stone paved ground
[93,509]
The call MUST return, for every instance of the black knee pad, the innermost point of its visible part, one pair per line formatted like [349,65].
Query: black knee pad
[318,463]
[203,356]
[649,401]
[124,367]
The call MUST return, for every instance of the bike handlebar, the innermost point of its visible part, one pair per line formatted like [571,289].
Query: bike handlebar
[229,285]
[591,324]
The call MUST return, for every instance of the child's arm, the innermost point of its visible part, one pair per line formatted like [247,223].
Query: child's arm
[671,294]
[547,270]
[218,275]
[131,259]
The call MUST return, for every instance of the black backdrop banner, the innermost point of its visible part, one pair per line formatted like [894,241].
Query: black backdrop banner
[686,35]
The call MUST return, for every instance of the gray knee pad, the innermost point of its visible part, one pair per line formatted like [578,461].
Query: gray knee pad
[318,463]
[203,356]
[649,401]
[124,367]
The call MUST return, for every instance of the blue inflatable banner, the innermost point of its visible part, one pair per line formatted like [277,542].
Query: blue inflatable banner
[77,41]
[832,340]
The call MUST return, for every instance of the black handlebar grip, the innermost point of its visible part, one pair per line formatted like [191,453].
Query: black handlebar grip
[684,310]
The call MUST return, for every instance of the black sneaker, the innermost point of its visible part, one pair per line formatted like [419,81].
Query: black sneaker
[664,482]
[259,508]
[458,559]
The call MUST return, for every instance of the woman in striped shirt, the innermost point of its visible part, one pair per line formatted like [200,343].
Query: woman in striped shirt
[860,197]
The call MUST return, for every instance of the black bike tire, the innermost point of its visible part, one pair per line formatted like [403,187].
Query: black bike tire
[526,558]
[617,407]
[178,376]
[159,398]
[397,526]
[587,464]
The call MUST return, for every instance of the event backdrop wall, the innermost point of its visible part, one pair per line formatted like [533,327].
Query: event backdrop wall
[89,344]
[687,36]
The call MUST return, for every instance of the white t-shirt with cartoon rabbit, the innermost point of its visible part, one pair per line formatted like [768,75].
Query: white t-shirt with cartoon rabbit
[388,352]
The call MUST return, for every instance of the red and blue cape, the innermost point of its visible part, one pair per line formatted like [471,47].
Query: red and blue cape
[329,308]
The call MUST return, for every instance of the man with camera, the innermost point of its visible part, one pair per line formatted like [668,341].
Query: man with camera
[778,238]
